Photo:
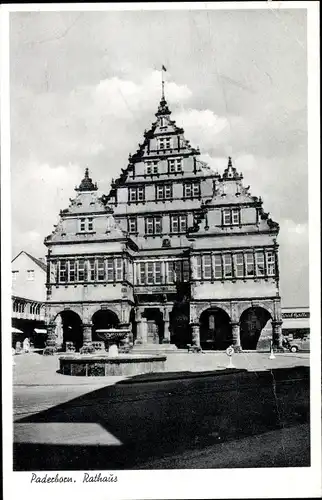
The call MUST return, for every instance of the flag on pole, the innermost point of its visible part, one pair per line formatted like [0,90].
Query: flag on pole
[164,68]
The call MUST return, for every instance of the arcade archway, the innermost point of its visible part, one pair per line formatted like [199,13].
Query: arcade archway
[155,325]
[72,328]
[180,329]
[215,329]
[252,322]
[103,319]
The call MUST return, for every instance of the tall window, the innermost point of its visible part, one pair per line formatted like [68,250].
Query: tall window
[198,266]
[164,143]
[270,262]
[72,271]
[228,268]
[178,223]
[170,272]
[157,272]
[81,270]
[231,216]
[174,165]
[239,265]
[191,190]
[63,276]
[217,267]
[153,225]
[185,270]
[136,193]
[118,268]
[260,264]
[206,266]
[132,225]
[249,264]
[163,191]
[91,270]
[100,270]
[110,270]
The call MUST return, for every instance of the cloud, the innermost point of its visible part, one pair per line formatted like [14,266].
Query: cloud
[203,127]
[39,195]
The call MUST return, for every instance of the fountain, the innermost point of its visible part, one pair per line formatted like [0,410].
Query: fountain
[97,361]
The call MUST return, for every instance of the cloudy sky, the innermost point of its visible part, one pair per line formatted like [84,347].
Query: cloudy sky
[85,85]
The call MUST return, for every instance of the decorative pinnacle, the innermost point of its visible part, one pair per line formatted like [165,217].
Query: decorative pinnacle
[87,184]
[230,171]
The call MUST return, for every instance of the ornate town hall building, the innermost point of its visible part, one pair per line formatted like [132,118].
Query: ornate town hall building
[182,254]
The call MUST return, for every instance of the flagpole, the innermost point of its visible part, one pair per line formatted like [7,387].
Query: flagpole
[162,95]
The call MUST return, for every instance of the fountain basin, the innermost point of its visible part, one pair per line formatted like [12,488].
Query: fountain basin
[95,365]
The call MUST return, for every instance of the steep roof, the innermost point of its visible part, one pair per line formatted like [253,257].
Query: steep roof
[39,263]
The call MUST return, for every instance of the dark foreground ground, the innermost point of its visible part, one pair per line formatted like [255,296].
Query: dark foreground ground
[192,419]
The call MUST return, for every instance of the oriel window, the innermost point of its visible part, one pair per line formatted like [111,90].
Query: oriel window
[270,262]
[239,265]
[249,261]
[118,269]
[100,269]
[228,269]
[260,263]
[91,270]
[81,270]
[217,266]
[63,276]
[71,271]
[206,265]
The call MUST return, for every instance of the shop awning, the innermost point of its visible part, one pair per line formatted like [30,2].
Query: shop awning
[40,330]
[16,330]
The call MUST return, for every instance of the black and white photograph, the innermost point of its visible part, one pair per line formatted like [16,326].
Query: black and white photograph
[160,173]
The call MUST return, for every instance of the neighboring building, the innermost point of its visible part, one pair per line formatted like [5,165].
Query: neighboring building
[28,298]
[180,252]
[296,321]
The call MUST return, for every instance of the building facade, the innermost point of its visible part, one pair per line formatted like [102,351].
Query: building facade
[28,298]
[182,254]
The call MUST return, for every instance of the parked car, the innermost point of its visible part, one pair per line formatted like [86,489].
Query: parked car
[299,345]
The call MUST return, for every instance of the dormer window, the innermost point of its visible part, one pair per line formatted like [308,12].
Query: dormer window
[191,190]
[174,165]
[164,191]
[86,225]
[136,193]
[151,167]
[165,143]
[231,217]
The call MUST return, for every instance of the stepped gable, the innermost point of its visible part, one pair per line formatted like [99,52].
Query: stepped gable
[148,150]
[229,191]
[86,204]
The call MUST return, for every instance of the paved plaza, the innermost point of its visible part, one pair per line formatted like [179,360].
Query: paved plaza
[198,413]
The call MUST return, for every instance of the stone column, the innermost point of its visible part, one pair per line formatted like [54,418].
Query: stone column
[141,331]
[195,334]
[277,335]
[87,334]
[235,331]
[166,318]
[51,347]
